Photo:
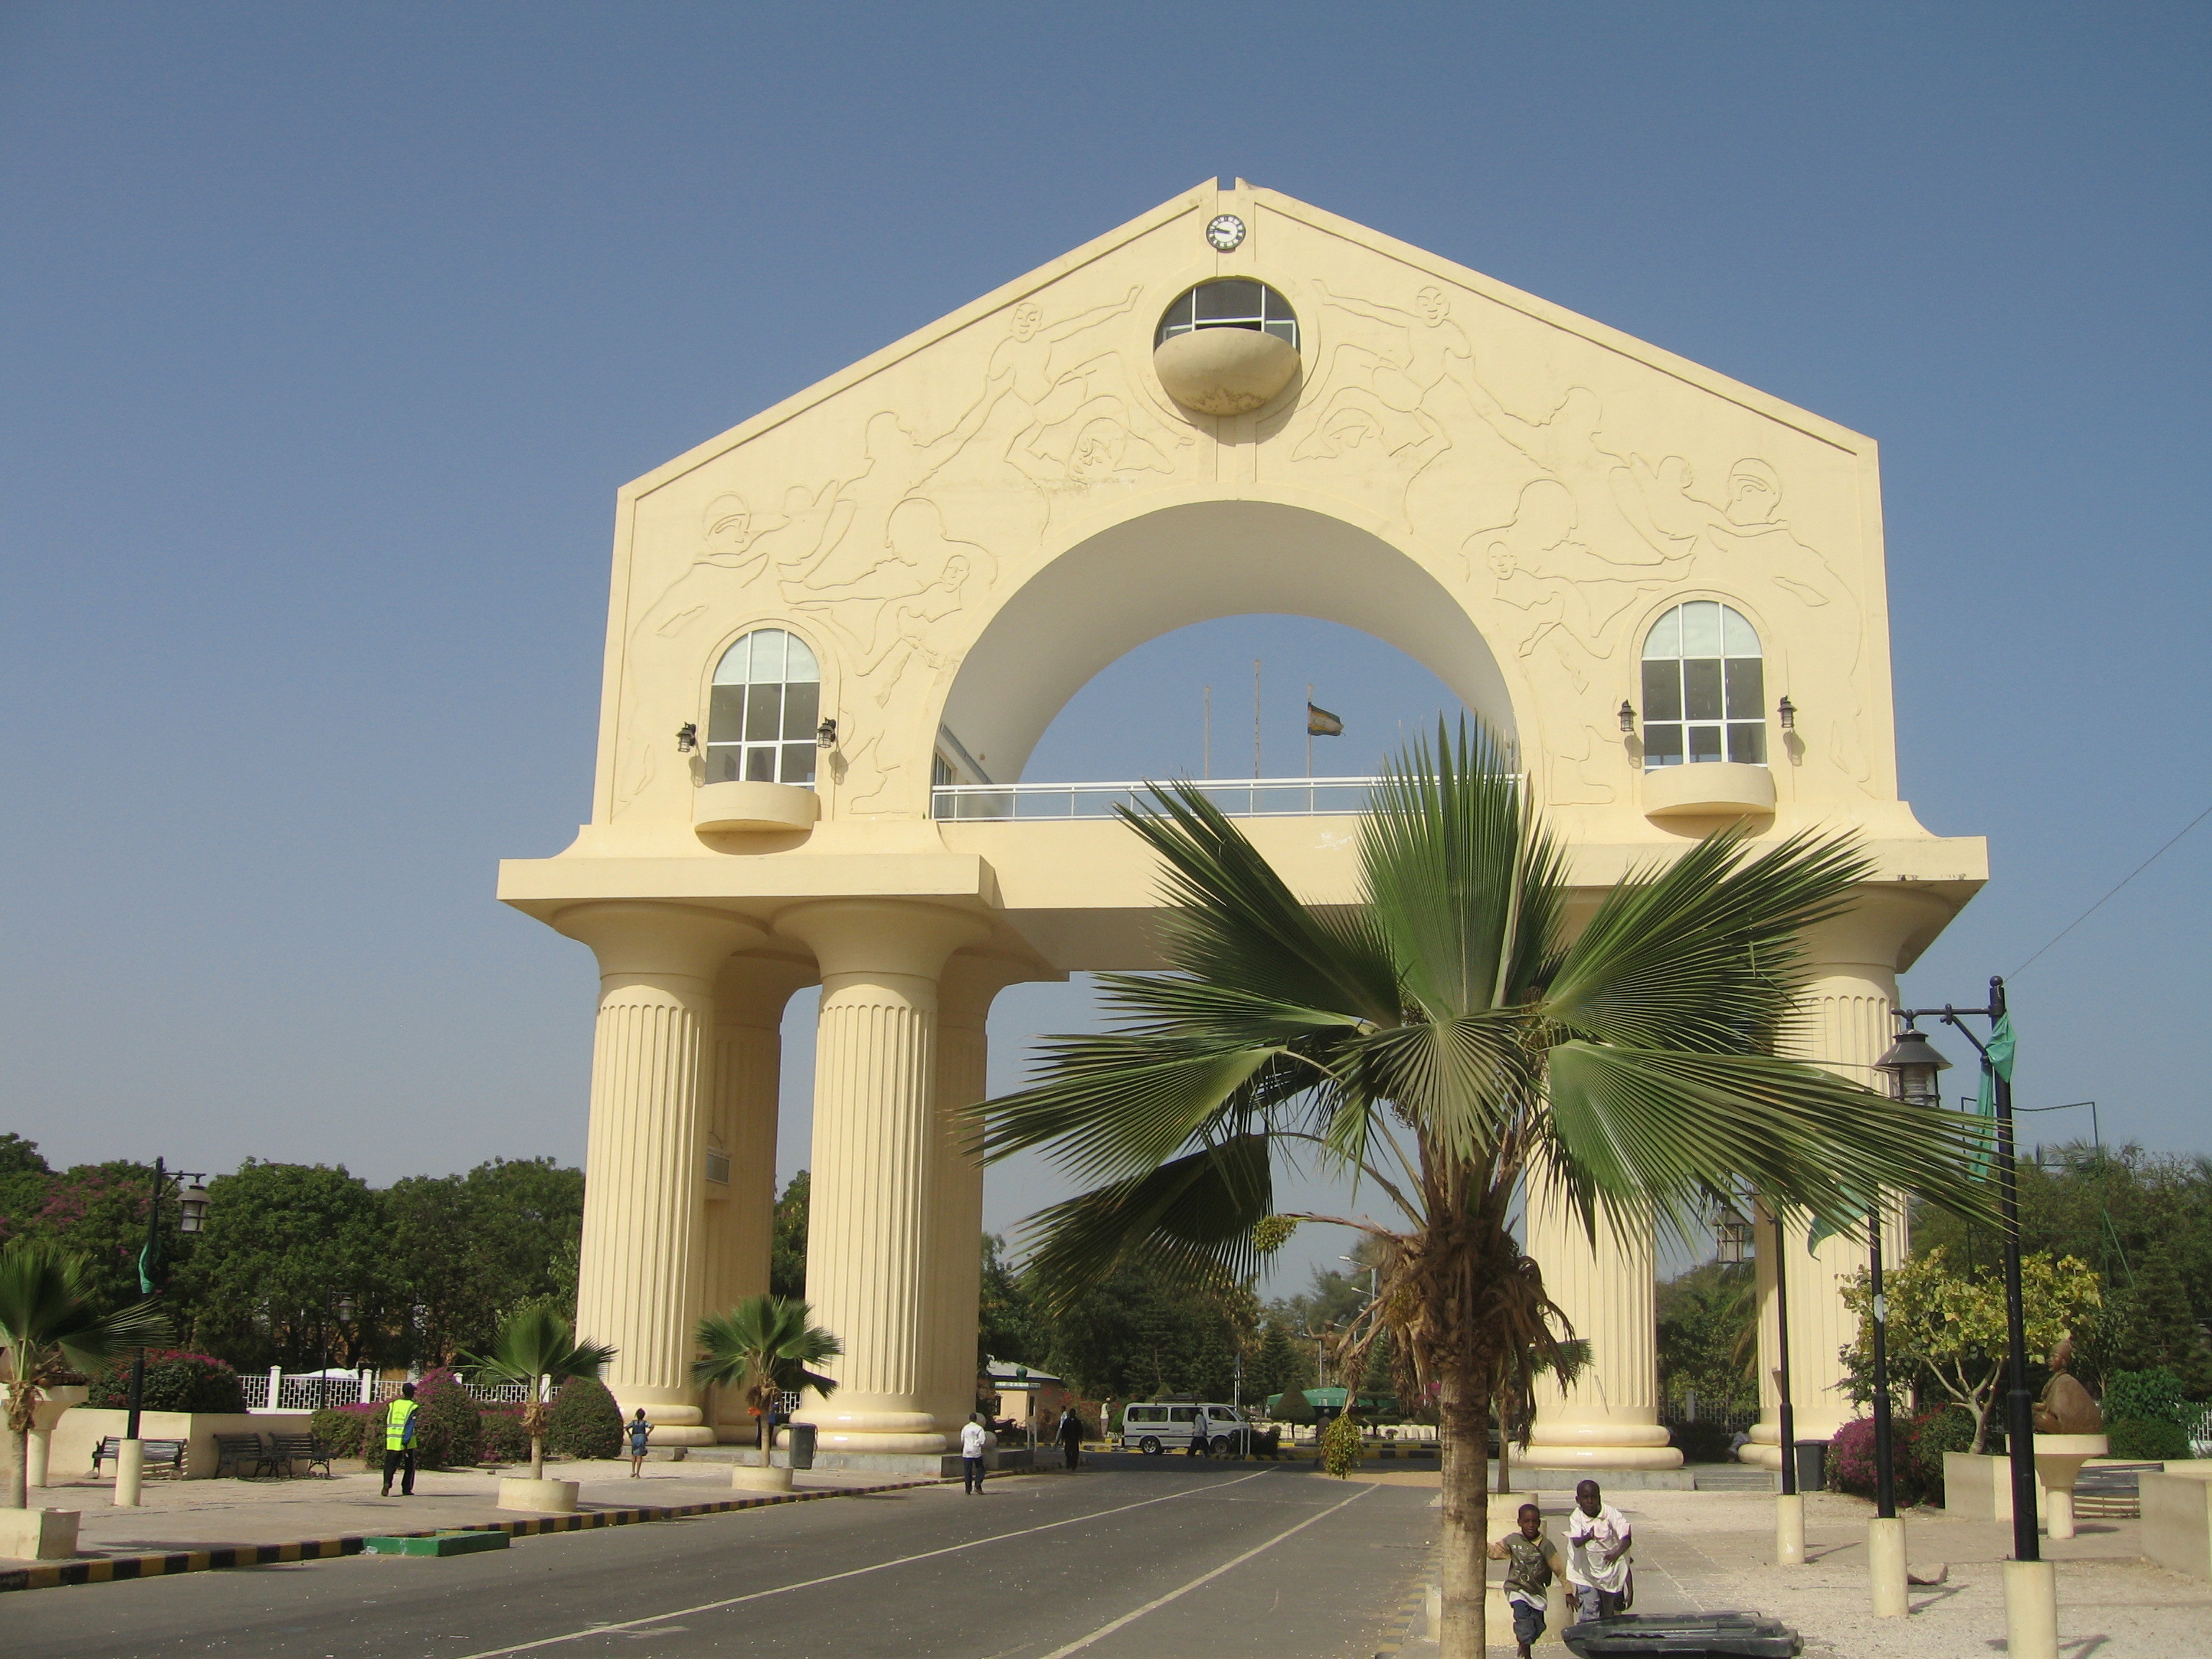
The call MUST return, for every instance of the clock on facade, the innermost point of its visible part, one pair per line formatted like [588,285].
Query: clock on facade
[1225,232]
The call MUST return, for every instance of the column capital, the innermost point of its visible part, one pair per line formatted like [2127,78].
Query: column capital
[753,988]
[662,941]
[971,980]
[854,937]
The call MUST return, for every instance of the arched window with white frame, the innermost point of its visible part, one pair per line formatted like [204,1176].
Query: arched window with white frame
[1704,688]
[767,698]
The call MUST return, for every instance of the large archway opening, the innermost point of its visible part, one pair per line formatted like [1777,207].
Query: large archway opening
[1187,565]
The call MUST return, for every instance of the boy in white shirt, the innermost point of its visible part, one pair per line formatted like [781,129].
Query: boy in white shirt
[1598,1569]
[973,1443]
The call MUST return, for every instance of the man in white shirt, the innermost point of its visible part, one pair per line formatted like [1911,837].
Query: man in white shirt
[1597,1555]
[973,1443]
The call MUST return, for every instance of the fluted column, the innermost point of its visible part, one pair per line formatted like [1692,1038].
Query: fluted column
[643,1256]
[745,1073]
[964,995]
[1844,1026]
[1610,1419]
[875,1211]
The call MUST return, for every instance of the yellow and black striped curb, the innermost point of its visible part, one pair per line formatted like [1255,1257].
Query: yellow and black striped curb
[1399,1630]
[115,1568]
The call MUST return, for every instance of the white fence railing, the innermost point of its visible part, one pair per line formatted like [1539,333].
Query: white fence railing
[1241,797]
[278,1390]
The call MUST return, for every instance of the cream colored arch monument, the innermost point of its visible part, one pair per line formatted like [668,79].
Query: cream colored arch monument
[836,631]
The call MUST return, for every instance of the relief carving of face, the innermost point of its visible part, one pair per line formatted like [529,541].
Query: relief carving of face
[1433,304]
[727,522]
[1098,450]
[1028,319]
[1755,491]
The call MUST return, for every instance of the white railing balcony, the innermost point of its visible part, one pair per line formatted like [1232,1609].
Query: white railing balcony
[1239,798]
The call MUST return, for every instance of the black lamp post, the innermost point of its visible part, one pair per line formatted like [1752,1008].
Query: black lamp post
[1916,1071]
[191,1215]
[1910,1065]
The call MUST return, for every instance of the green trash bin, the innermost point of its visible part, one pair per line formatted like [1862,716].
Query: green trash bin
[802,1445]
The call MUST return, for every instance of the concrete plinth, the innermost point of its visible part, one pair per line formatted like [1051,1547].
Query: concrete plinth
[1885,1566]
[37,1534]
[2058,1460]
[537,1497]
[2176,1517]
[2031,1610]
[751,1477]
[1789,1530]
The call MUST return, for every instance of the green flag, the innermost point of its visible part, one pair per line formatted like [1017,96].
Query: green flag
[1320,723]
[1997,1062]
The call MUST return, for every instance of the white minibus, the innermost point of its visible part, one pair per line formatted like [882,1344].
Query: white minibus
[1204,1427]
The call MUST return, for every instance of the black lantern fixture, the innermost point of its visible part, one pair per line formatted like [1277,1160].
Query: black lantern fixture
[1627,715]
[1732,1238]
[825,735]
[687,737]
[191,1208]
[1786,711]
[1910,1065]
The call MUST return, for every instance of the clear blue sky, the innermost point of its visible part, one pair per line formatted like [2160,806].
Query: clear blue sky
[328,333]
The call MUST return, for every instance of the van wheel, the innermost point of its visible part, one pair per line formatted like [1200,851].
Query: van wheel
[1221,1446]
[1150,1445]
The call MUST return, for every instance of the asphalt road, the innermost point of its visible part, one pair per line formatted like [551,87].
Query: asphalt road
[1136,1558]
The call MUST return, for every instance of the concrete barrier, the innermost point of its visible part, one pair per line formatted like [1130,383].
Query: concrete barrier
[2176,1517]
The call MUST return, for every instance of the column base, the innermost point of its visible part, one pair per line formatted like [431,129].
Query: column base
[1599,1445]
[878,1433]
[674,1424]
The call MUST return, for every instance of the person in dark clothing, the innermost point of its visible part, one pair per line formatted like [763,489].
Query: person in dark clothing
[1071,1437]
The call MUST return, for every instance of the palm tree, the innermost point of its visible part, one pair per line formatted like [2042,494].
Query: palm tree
[1454,1041]
[764,1345]
[538,1348]
[49,1326]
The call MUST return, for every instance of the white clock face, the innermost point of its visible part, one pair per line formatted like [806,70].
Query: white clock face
[1225,233]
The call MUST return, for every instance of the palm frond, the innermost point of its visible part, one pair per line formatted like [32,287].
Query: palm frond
[1703,954]
[765,1344]
[1191,1217]
[1637,1133]
[46,1307]
[538,1343]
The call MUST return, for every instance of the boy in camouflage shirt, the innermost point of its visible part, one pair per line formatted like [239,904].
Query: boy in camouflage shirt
[1532,1559]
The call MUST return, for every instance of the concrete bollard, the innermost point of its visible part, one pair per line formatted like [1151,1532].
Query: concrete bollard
[1886,1561]
[1789,1530]
[36,1459]
[129,1469]
[2031,1610]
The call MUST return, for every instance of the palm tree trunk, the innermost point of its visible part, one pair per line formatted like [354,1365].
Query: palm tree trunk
[19,1483]
[1464,1425]
[537,1457]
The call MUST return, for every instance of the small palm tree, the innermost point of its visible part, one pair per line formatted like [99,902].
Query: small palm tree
[764,1347]
[538,1348]
[50,1328]
[1458,1038]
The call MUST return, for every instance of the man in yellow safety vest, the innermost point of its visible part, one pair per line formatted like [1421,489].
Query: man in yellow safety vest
[399,1441]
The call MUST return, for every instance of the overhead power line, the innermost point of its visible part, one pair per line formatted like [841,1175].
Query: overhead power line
[2124,881]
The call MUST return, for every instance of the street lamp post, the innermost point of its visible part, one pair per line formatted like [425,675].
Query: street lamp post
[2031,1588]
[1789,1508]
[192,1213]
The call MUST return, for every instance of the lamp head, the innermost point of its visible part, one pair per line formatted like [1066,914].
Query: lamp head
[1910,1065]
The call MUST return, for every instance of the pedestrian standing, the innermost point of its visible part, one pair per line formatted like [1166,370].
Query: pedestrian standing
[399,1441]
[1071,1437]
[1533,1558]
[640,1433]
[1597,1555]
[973,1442]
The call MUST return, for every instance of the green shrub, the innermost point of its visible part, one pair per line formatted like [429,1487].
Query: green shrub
[1340,1446]
[2152,1394]
[585,1421]
[345,1431]
[1950,1430]
[449,1431]
[176,1382]
[505,1440]
[2146,1439]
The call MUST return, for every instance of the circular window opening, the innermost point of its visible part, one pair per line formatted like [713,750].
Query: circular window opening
[1234,302]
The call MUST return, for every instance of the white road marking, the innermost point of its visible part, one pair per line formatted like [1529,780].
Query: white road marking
[629,1625]
[1104,1631]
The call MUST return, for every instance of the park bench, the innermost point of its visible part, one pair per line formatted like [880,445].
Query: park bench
[286,1449]
[236,1450]
[169,1453]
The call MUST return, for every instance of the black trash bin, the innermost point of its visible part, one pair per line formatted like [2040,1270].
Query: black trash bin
[1683,1636]
[802,1445]
[1812,1465]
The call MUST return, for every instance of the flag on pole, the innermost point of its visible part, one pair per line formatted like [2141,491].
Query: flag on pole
[1320,723]
[1997,1064]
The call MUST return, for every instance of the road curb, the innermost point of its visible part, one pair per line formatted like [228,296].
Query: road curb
[1399,1630]
[115,1569]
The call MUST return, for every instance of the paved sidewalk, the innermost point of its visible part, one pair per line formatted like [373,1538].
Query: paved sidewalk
[1711,1551]
[186,1517]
